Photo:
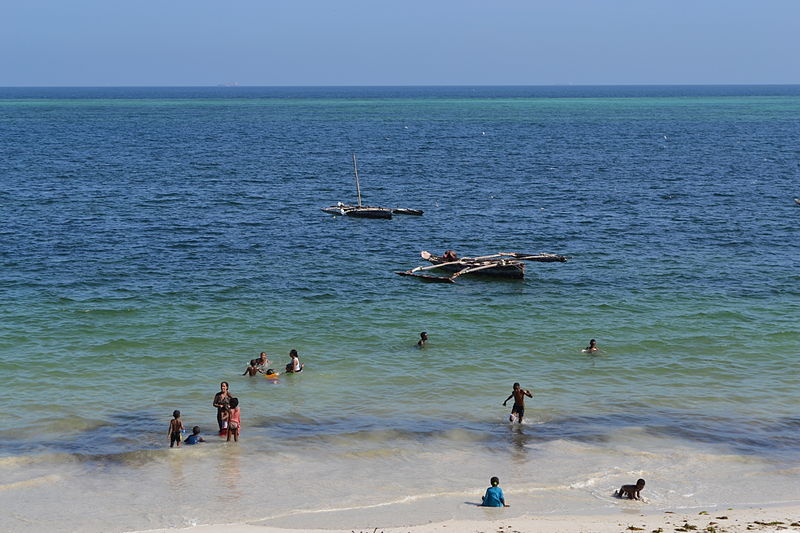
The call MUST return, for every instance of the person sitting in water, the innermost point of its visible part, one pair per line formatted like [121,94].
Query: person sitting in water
[450,255]
[494,495]
[262,360]
[294,365]
[195,437]
[423,338]
[592,348]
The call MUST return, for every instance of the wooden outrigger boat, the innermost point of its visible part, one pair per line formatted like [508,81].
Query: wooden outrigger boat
[366,211]
[358,211]
[509,265]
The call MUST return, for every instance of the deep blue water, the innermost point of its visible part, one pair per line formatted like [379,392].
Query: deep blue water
[156,239]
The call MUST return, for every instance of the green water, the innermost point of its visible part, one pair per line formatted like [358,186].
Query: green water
[154,244]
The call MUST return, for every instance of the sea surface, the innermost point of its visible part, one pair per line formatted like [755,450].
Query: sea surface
[154,240]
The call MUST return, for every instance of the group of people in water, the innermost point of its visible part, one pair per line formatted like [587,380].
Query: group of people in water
[229,414]
[228,410]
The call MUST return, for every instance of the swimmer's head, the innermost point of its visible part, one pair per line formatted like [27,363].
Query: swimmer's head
[293,353]
[495,481]
[516,386]
[234,403]
[270,372]
[195,430]
[176,413]
[423,335]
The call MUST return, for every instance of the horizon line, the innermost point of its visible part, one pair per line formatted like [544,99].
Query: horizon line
[235,85]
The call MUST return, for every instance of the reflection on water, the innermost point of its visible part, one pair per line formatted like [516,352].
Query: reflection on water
[229,473]
[177,480]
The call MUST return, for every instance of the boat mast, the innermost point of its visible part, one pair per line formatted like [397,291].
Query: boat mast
[358,186]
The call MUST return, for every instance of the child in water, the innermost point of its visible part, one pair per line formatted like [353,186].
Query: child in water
[234,420]
[175,428]
[423,338]
[195,437]
[251,370]
[518,409]
[494,495]
[592,348]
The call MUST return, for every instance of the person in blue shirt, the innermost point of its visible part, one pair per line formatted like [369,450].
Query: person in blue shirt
[494,495]
[195,437]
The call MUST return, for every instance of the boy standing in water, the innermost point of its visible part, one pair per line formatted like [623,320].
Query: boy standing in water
[494,495]
[175,428]
[519,402]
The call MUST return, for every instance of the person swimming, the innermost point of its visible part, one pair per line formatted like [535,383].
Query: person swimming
[592,348]
[423,338]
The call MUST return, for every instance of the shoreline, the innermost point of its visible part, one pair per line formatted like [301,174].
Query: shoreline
[780,517]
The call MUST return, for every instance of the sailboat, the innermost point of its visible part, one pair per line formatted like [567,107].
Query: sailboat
[366,211]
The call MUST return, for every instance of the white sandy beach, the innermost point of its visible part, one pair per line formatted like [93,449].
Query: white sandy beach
[766,519]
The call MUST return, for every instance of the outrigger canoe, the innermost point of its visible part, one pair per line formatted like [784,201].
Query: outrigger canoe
[509,265]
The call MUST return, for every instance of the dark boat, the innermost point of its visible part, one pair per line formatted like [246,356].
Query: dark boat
[509,265]
[365,211]
[356,211]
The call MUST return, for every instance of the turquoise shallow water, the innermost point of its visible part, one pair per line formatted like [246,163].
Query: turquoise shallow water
[155,240]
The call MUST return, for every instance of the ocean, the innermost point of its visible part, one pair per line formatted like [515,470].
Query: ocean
[154,240]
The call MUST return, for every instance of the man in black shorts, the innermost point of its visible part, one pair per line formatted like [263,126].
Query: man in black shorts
[519,402]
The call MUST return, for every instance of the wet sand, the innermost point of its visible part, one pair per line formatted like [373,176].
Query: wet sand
[765,519]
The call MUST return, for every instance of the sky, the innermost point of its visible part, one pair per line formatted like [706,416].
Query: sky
[398,42]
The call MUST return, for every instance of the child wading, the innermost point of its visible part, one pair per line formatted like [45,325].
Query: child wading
[494,495]
[175,428]
[253,369]
[234,420]
[518,409]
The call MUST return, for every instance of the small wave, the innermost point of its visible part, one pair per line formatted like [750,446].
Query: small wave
[52,478]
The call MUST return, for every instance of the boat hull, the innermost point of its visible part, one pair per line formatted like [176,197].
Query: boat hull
[358,212]
[509,270]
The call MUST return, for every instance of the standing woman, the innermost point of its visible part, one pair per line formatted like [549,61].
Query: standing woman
[221,400]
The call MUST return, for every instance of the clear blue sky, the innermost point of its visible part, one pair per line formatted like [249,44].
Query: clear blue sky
[398,42]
